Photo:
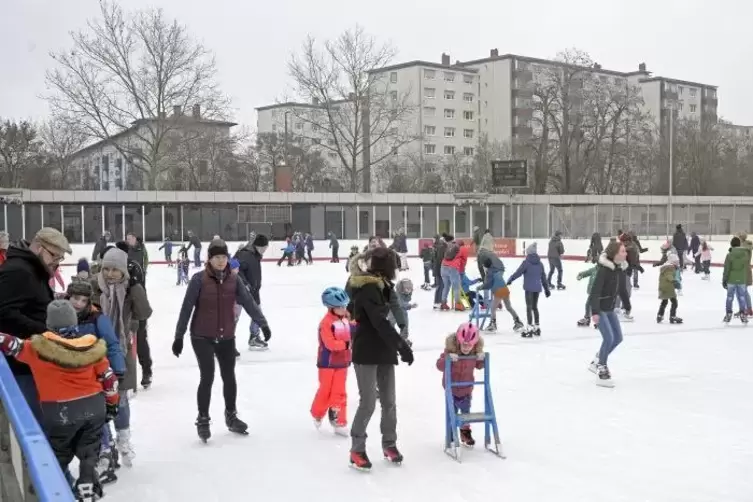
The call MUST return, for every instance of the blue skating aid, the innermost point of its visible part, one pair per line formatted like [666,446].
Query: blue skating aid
[479,315]
[453,420]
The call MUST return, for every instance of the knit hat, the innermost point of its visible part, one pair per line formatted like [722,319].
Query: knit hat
[217,247]
[735,242]
[61,314]
[117,259]
[532,248]
[261,241]
[673,259]
[79,288]
[82,266]
[235,264]
[382,261]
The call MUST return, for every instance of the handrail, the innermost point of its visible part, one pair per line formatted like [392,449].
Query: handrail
[47,477]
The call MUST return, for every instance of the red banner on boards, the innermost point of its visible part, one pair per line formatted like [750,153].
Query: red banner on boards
[502,246]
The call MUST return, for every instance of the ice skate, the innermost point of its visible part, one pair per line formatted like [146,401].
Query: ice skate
[202,428]
[492,327]
[527,332]
[627,316]
[659,319]
[393,455]
[360,461]
[256,343]
[341,430]
[444,307]
[437,306]
[466,438]
[744,318]
[106,468]
[727,318]
[125,447]
[536,330]
[675,320]
[459,307]
[605,378]
[235,424]
[517,326]
[584,322]
[88,492]
[318,423]
[561,287]
[146,380]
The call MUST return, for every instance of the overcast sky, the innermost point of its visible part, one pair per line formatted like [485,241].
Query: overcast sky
[696,40]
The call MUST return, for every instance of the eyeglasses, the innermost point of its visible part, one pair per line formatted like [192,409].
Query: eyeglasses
[56,257]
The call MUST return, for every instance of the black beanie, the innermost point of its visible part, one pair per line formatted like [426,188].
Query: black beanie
[382,262]
[735,242]
[217,247]
[261,241]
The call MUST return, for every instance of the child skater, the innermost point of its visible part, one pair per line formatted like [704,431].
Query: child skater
[534,280]
[466,341]
[83,271]
[495,282]
[705,255]
[333,360]
[427,257]
[465,284]
[668,289]
[404,290]
[183,265]
[591,274]
[168,247]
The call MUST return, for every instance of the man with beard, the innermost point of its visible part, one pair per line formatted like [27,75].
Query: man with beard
[25,293]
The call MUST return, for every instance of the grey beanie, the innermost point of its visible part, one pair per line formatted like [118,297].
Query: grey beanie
[532,249]
[117,259]
[60,315]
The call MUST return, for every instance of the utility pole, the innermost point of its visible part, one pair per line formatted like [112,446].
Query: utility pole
[670,216]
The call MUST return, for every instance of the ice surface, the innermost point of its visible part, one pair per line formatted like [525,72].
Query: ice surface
[677,427]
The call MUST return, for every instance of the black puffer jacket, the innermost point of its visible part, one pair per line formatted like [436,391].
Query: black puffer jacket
[375,340]
[609,282]
[250,269]
[24,295]
[440,246]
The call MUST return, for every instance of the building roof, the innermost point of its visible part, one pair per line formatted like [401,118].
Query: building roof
[427,64]
[676,81]
[551,62]
[295,104]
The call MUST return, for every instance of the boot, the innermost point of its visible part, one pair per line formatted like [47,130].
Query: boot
[492,328]
[727,318]
[517,326]
[675,320]
[586,321]
[125,447]
[202,428]
[359,460]
[459,307]
[235,424]
[444,307]
[466,437]
[561,287]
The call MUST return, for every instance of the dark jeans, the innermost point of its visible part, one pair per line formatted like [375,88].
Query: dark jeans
[697,264]
[197,257]
[681,256]
[206,350]
[672,309]
[335,257]
[143,351]
[427,267]
[706,264]
[440,285]
[532,307]
[29,389]
[308,253]
[481,270]
[635,278]
[555,264]
[285,256]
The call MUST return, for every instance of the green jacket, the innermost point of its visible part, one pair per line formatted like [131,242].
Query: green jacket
[748,246]
[591,274]
[736,266]
[667,282]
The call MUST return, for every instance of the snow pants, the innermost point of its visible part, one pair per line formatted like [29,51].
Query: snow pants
[331,394]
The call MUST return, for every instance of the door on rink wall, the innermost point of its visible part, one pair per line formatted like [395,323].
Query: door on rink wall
[273,220]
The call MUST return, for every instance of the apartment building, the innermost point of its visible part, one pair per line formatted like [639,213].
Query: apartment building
[689,100]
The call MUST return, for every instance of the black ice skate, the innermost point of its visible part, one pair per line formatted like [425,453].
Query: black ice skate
[605,378]
[586,321]
[237,354]
[675,320]
[88,492]
[536,330]
[235,424]
[106,468]
[256,343]
[202,428]
[659,319]
[744,318]
[146,380]
[393,455]
[636,287]
[727,318]
[492,327]
[466,438]
[561,287]
[527,332]
[517,326]
[332,416]
[360,461]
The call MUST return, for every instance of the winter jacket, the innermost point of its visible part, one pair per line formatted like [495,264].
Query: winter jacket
[680,241]
[98,247]
[333,352]
[556,248]
[333,243]
[667,282]
[534,278]
[736,265]
[494,279]
[210,297]
[3,253]
[695,244]
[310,243]
[705,253]
[168,247]
[440,248]
[93,321]
[194,242]
[375,340]
[400,244]
[748,246]
[610,281]
[487,243]
[591,274]
[633,258]
[136,308]
[250,268]
[355,270]
[477,237]
[459,261]
[137,254]
[24,295]
[427,255]
[596,247]
[466,283]
[462,369]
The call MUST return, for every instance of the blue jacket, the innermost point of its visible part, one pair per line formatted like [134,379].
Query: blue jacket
[98,324]
[167,246]
[290,248]
[310,243]
[495,279]
[534,278]
[466,283]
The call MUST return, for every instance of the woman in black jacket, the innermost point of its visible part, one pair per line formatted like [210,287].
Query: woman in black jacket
[375,348]
[610,282]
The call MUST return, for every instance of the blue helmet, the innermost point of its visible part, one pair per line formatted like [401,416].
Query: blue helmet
[335,297]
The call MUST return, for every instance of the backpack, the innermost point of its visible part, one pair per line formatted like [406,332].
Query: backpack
[452,251]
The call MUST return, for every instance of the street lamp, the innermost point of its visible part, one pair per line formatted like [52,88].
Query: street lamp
[670,216]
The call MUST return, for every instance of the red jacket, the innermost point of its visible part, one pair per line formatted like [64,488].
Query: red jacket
[333,352]
[2,256]
[460,259]
[462,370]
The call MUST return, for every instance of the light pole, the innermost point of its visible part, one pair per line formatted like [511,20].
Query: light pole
[670,216]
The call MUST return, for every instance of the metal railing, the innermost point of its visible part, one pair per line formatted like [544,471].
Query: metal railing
[29,470]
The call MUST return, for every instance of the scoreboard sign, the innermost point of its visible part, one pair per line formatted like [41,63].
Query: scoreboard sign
[509,174]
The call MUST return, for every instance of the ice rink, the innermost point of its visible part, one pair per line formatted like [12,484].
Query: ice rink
[677,427]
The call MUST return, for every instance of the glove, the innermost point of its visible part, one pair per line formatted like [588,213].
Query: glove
[480,356]
[111,411]
[453,357]
[413,305]
[406,354]
[678,285]
[547,293]
[724,284]
[267,333]
[640,269]
[177,346]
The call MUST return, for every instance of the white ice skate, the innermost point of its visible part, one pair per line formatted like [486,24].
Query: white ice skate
[341,430]
[125,448]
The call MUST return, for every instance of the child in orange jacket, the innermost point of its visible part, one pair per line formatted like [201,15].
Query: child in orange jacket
[333,360]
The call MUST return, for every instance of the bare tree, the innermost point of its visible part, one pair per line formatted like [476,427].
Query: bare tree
[354,104]
[21,155]
[125,72]
[63,137]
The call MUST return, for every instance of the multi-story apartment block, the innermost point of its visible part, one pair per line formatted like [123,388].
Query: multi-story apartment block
[689,100]
[110,164]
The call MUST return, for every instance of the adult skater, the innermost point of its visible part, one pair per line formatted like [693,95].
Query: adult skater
[554,255]
[195,242]
[440,247]
[375,348]
[137,253]
[250,257]
[400,245]
[610,282]
[595,248]
[484,248]
[680,243]
[211,296]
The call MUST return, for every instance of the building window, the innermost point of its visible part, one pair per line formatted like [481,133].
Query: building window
[680,106]
[468,79]
[299,126]
[393,95]
[430,74]
[692,108]
[430,149]
[430,92]
[449,132]
[449,150]
[449,113]
[468,115]
[274,127]
[468,97]
[430,130]
[680,90]
[468,151]
[393,77]
[468,133]
[430,111]
[692,93]
[449,77]
[449,94]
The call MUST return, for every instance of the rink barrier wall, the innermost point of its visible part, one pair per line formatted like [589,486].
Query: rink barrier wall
[575,249]
[26,458]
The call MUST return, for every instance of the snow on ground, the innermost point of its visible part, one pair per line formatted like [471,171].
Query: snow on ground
[677,427]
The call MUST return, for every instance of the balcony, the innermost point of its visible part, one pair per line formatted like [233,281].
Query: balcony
[711,101]
[522,92]
[522,113]
[523,76]
[522,132]
[670,95]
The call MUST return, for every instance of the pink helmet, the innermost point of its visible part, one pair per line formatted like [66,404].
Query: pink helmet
[467,334]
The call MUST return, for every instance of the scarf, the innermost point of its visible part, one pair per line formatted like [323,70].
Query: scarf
[112,300]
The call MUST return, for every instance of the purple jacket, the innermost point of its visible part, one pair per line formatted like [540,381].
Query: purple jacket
[534,278]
